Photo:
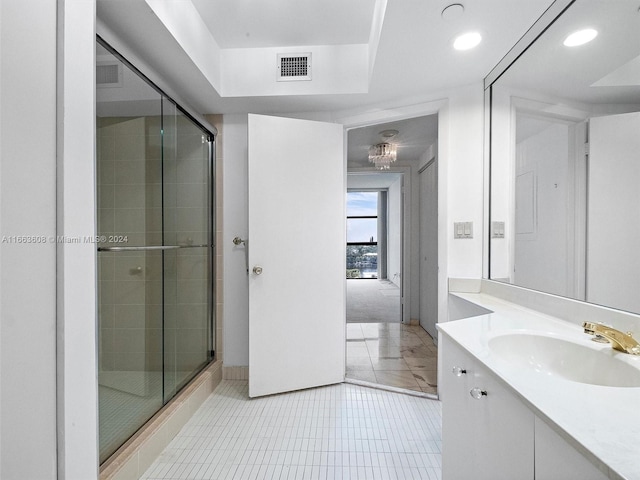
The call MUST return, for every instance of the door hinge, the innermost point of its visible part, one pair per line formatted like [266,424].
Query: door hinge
[586,148]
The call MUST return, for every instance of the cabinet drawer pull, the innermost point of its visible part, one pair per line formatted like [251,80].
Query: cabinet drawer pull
[477,393]
[458,371]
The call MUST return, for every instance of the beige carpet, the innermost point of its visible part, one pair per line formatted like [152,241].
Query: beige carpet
[372,301]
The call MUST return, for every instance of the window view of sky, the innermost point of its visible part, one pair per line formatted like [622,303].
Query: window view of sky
[362,203]
[362,229]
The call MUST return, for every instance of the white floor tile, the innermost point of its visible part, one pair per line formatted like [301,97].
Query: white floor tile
[338,432]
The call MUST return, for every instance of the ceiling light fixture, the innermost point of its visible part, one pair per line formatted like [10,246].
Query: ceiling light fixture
[382,155]
[452,12]
[580,37]
[467,41]
[387,134]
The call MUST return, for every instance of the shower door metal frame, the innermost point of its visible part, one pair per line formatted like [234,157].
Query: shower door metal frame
[209,135]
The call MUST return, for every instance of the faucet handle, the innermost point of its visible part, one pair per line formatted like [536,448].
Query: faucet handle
[591,327]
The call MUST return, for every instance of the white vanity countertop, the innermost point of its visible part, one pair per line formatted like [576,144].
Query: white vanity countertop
[603,423]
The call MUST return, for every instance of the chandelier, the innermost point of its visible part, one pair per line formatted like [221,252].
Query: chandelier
[382,155]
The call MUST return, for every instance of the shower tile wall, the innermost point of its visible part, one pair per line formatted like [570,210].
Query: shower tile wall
[186,222]
[130,200]
[130,183]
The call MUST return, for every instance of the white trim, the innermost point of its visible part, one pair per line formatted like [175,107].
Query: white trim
[77,415]
[439,107]
[405,172]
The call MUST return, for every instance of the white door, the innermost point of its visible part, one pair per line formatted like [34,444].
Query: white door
[613,260]
[429,249]
[296,237]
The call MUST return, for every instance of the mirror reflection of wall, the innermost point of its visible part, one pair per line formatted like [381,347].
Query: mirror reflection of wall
[565,159]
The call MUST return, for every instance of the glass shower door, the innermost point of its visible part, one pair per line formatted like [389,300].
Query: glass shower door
[187,223]
[129,187]
[155,252]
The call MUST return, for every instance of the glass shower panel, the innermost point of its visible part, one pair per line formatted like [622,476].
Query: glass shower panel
[187,284]
[155,254]
[129,187]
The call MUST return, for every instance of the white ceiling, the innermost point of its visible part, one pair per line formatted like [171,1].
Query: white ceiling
[414,59]
[415,135]
[252,24]
[606,70]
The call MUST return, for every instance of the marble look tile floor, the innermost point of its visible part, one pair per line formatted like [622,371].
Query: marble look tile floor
[392,354]
[340,431]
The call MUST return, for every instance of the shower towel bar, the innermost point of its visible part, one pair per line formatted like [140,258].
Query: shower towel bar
[147,248]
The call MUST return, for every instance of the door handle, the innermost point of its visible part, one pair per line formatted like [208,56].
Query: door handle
[257,270]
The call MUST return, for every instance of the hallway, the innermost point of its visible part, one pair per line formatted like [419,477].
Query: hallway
[341,431]
[372,301]
[392,354]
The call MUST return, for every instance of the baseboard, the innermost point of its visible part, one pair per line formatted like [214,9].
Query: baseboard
[131,460]
[235,373]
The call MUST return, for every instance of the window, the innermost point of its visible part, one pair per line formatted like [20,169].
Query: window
[362,234]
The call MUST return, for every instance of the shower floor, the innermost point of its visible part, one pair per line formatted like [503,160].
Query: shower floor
[126,401]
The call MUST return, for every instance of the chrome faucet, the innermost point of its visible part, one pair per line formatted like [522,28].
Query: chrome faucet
[621,341]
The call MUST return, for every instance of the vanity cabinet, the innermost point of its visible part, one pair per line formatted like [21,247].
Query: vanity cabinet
[489,434]
[555,459]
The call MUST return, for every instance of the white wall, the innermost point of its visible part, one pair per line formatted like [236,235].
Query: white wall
[334,69]
[614,174]
[235,223]
[461,160]
[27,208]
[541,248]
[460,157]
[394,228]
[77,410]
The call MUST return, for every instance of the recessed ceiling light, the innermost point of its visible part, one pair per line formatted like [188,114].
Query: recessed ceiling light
[452,12]
[388,133]
[580,37]
[467,41]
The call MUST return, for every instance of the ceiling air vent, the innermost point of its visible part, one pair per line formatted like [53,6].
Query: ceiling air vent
[109,75]
[293,67]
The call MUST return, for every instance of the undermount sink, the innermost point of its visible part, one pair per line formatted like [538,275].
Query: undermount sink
[563,358]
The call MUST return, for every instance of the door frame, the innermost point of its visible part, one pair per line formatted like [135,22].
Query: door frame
[422,269]
[405,232]
[378,117]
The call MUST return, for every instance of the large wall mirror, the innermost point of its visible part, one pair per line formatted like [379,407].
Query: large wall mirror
[565,159]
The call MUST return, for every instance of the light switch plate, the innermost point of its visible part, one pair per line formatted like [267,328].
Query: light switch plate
[497,229]
[463,230]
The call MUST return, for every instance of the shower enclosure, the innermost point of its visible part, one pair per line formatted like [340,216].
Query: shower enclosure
[155,248]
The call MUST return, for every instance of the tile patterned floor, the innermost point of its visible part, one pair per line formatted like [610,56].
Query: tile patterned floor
[338,432]
[392,354]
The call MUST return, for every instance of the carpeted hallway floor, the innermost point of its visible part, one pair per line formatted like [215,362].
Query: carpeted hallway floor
[372,301]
